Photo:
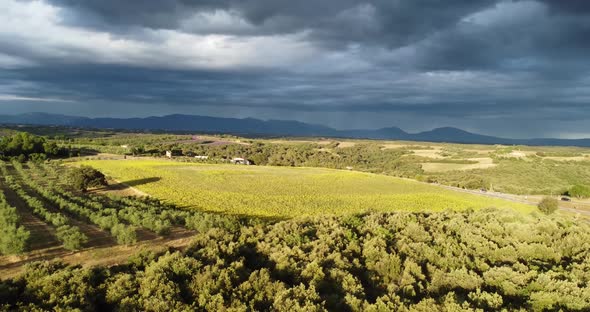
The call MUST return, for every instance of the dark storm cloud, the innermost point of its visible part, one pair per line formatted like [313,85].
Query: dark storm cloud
[463,61]
[570,6]
[436,29]
[284,91]
[394,23]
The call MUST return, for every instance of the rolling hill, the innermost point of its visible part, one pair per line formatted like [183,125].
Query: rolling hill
[257,127]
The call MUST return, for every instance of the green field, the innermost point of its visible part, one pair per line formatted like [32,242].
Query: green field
[285,191]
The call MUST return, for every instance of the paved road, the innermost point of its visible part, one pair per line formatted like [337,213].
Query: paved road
[520,199]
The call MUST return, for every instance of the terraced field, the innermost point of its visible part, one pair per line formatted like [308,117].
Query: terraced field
[285,191]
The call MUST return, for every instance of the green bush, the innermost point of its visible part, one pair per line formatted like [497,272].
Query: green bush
[579,191]
[71,237]
[548,205]
[124,234]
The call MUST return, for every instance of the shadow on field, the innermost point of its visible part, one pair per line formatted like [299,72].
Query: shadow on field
[133,183]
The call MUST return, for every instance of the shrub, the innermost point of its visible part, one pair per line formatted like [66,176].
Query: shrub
[84,177]
[71,237]
[548,205]
[124,234]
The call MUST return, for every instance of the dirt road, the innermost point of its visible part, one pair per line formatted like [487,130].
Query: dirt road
[580,207]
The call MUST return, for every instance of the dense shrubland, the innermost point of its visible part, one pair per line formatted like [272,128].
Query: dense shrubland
[486,260]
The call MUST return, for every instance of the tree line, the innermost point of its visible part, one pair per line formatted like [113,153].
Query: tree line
[24,146]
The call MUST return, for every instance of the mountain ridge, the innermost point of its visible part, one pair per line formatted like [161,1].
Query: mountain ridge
[274,127]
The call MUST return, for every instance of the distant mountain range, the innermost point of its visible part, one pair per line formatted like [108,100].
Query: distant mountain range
[256,127]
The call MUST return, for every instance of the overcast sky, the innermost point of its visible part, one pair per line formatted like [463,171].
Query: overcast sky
[508,68]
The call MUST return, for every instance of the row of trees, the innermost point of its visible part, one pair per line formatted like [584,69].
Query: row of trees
[114,212]
[106,219]
[146,212]
[14,238]
[120,216]
[487,260]
[70,235]
[129,210]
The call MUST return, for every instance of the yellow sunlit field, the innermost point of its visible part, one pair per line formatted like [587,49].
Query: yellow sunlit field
[285,191]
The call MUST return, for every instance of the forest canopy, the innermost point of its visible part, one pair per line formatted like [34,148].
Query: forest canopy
[484,260]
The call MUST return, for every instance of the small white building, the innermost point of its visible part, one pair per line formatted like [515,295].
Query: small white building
[169,154]
[201,157]
[240,161]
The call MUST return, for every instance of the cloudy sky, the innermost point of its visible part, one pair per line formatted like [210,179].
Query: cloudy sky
[507,68]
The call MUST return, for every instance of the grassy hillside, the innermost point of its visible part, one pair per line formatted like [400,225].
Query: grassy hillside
[523,176]
[285,192]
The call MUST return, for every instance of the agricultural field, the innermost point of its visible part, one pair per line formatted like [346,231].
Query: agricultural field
[284,191]
[42,217]
[554,170]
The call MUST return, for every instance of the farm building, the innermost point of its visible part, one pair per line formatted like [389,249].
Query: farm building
[173,153]
[241,161]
